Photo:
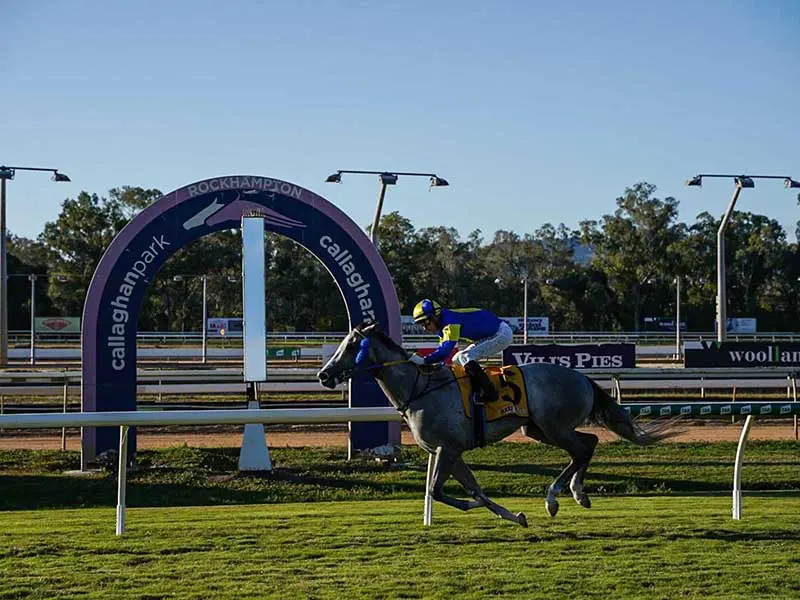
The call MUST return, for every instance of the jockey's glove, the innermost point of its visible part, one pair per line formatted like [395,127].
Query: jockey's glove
[417,359]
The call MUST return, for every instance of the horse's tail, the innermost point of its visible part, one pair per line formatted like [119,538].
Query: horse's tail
[608,413]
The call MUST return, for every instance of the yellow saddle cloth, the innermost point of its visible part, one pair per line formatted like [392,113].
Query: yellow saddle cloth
[512,398]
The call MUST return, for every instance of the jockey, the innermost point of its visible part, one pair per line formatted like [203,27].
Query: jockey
[486,334]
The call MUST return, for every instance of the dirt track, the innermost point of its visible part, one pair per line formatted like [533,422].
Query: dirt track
[330,436]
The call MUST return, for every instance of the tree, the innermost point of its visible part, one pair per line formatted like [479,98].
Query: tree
[400,250]
[76,241]
[132,200]
[447,268]
[26,257]
[635,245]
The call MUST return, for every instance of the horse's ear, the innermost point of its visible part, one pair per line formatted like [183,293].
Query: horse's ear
[368,327]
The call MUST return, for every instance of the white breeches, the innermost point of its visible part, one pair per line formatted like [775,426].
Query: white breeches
[486,347]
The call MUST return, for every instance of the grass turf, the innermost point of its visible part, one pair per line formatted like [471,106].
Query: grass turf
[205,476]
[624,547]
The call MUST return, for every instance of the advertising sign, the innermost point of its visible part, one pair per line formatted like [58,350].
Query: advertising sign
[536,325]
[411,328]
[283,352]
[741,354]
[666,324]
[741,325]
[579,356]
[227,326]
[57,324]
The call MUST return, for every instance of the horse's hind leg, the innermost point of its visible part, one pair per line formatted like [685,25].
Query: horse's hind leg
[576,484]
[580,454]
[464,475]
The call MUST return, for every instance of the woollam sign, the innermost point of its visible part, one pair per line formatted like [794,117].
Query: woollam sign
[581,356]
[741,354]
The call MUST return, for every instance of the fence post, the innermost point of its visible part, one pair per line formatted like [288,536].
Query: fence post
[794,399]
[737,469]
[122,475]
[65,399]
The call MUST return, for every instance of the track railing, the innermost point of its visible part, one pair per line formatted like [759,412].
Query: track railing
[341,415]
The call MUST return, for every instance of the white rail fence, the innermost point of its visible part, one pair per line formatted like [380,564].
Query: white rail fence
[185,353]
[311,416]
[298,380]
[127,419]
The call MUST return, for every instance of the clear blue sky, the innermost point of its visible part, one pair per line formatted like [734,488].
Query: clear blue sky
[535,111]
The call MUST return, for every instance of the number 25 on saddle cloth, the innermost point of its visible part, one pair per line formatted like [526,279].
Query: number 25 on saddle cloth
[511,393]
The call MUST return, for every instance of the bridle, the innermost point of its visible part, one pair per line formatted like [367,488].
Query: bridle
[373,369]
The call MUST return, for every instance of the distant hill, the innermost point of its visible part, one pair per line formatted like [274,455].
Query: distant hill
[581,253]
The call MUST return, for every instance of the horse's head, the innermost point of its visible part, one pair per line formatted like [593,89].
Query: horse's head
[366,346]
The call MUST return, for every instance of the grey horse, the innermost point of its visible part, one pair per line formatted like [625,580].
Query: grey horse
[559,400]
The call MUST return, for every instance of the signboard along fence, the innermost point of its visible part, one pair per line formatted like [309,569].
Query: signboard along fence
[57,324]
[742,354]
[579,356]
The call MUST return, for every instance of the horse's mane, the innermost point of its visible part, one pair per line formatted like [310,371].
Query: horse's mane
[383,337]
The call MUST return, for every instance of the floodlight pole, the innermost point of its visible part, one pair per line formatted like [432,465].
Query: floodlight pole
[3,277]
[387,178]
[205,319]
[377,219]
[525,310]
[677,317]
[8,173]
[32,279]
[741,181]
[722,318]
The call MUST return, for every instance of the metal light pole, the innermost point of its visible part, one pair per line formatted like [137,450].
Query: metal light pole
[204,325]
[677,317]
[387,178]
[32,279]
[525,309]
[7,173]
[741,182]
[205,318]
[722,300]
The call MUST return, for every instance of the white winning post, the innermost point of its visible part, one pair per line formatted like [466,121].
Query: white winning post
[121,478]
[254,455]
[427,513]
[737,469]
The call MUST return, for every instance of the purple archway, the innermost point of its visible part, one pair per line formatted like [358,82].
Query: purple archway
[110,315]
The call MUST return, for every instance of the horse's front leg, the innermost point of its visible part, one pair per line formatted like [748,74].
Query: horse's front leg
[443,463]
[465,477]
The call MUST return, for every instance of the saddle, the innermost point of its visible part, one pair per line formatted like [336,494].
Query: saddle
[511,398]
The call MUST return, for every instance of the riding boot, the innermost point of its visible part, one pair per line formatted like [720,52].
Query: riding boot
[480,381]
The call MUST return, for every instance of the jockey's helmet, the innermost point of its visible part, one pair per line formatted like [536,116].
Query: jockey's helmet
[426,309]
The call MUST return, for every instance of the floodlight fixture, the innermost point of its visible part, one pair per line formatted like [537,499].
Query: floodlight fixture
[7,173]
[388,178]
[790,183]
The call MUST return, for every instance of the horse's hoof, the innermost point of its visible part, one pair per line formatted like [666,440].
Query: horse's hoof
[552,507]
[522,519]
[584,501]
